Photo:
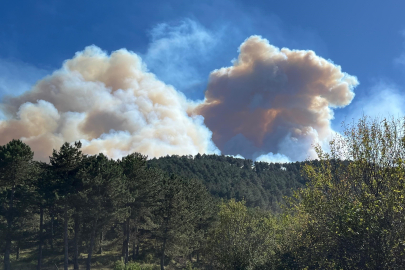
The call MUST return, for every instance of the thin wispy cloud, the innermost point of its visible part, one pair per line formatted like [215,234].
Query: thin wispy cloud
[18,77]
[178,51]
[384,99]
[401,58]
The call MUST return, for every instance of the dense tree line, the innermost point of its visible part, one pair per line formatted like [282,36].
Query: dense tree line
[260,184]
[349,215]
[76,201]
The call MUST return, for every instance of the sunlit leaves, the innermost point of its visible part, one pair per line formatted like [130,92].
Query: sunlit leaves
[355,198]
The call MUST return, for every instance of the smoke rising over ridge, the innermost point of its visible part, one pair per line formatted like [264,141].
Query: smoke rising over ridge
[110,103]
[271,105]
[274,102]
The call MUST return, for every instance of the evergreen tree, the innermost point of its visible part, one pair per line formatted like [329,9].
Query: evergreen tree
[177,214]
[103,190]
[202,209]
[15,175]
[45,198]
[169,213]
[259,184]
[66,164]
[142,185]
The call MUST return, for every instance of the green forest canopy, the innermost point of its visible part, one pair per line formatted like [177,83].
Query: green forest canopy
[260,184]
[344,211]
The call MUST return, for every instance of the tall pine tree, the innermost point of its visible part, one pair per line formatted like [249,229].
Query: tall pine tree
[15,167]
[66,164]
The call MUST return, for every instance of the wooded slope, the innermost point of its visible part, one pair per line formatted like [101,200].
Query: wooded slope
[259,183]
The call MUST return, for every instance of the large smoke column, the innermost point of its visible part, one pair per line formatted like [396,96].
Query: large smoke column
[110,103]
[271,105]
[274,103]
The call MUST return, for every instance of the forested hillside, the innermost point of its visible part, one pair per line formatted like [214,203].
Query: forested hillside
[89,211]
[77,207]
[260,184]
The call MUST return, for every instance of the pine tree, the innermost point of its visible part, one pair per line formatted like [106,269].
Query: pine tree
[15,168]
[142,185]
[66,164]
[45,198]
[103,191]
[177,214]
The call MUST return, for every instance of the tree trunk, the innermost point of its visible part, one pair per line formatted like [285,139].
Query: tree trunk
[7,249]
[7,253]
[41,237]
[135,248]
[162,258]
[76,242]
[127,242]
[52,221]
[100,249]
[198,256]
[17,255]
[85,245]
[91,246]
[65,237]
[124,230]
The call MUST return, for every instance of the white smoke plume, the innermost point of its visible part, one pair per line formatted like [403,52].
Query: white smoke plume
[109,102]
[271,105]
[274,101]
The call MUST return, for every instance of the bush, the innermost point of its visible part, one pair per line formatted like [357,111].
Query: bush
[120,265]
[355,200]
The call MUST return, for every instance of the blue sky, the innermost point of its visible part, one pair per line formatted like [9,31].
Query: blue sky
[183,41]
[364,37]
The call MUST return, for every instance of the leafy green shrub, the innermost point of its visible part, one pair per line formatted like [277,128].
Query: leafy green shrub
[189,266]
[149,258]
[120,265]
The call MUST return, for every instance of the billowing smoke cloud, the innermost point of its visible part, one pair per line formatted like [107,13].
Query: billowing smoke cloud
[110,103]
[271,105]
[274,101]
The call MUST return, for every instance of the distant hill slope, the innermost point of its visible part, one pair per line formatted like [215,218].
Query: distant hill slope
[260,184]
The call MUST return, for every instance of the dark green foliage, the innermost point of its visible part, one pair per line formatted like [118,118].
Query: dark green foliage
[88,201]
[182,207]
[260,184]
[142,185]
[102,194]
[16,171]
[348,214]
[66,165]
